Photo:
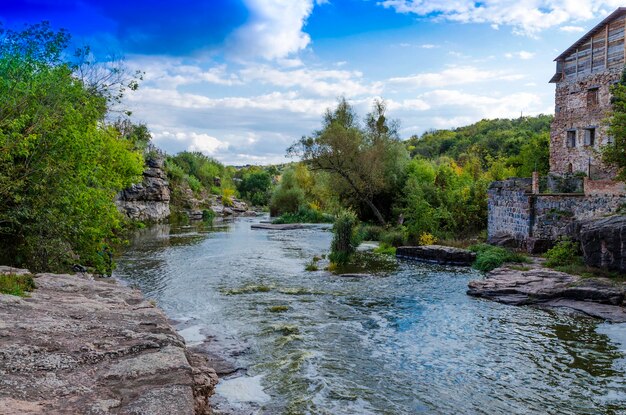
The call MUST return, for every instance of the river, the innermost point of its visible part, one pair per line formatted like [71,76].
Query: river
[408,342]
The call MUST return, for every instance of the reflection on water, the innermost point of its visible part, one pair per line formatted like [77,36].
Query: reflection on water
[409,342]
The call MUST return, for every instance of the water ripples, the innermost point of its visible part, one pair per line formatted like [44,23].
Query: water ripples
[409,342]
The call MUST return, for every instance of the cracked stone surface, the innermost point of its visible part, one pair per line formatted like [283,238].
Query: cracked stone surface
[83,346]
[596,297]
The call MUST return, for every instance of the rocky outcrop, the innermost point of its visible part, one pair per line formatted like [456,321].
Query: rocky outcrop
[597,297]
[84,346]
[603,242]
[437,254]
[150,199]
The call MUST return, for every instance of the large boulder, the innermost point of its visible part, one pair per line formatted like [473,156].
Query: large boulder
[437,254]
[150,199]
[603,242]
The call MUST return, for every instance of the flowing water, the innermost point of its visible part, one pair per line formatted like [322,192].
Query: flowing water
[408,342]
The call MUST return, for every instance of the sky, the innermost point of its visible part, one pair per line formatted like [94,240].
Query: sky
[240,80]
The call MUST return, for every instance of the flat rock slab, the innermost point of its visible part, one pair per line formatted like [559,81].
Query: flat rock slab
[277,227]
[82,346]
[597,297]
[437,254]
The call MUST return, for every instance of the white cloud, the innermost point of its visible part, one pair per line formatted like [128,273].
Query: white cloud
[509,105]
[572,29]
[192,141]
[456,75]
[324,83]
[522,54]
[527,17]
[275,28]
[428,46]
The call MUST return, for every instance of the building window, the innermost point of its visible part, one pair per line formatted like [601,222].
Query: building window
[571,138]
[593,97]
[590,136]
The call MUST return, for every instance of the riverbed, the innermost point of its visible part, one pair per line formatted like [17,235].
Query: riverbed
[406,342]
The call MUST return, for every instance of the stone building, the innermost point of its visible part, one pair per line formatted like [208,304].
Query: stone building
[578,199]
[584,74]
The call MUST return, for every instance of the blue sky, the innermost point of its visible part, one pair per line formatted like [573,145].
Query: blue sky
[240,80]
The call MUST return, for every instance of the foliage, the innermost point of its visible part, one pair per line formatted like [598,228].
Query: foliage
[385,249]
[364,161]
[522,143]
[61,165]
[444,199]
[489,257]
[565,252]
[345,238]
[304,215]
[615,153]
[15,284]
[255,186]
[288,197]
[371,232]
[394,237]
[208,215]
[227,197]
[427,239]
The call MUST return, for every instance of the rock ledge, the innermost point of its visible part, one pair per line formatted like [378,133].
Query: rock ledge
[82,346]
[596,297]
[437,254]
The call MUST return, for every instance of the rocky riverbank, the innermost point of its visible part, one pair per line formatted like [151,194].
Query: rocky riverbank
[597,297]
[80,345]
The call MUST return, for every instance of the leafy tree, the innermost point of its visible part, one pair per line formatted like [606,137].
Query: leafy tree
[60,164]
[364,161]
[255,186]
[614,154]
[288,197]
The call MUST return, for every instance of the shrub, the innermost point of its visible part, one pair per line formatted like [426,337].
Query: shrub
[208,215]
[427,239]
[385,249]
[194,184]
[371,232]
[16,284]
[345,240]
[304,215]
[394,237]
[489,257]
[227,197]
[286,201]
[563,253]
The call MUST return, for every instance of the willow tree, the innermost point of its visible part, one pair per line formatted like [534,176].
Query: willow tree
[363,160]
[614,154]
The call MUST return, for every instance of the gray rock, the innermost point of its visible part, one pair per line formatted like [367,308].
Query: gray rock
[84,346]
[437,254]
[598,297]
[150,199]
[603,242]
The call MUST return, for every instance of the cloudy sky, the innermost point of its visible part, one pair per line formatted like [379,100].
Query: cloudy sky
[240,80]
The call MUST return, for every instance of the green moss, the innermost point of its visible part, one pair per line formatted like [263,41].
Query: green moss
[489,257]
[15,284]
[386,249]
[278,308]
[311,266]
[248,289]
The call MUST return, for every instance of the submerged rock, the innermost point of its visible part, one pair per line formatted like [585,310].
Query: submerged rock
[82,346]
[437,254]
[597,297]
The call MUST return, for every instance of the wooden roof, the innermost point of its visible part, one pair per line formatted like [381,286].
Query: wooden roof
[617,13]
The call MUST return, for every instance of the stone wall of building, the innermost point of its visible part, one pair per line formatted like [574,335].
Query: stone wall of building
[537,220]
[509,209]
[576,111]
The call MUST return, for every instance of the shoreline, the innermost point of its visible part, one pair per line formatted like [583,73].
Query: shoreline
[596,297]
[80,344]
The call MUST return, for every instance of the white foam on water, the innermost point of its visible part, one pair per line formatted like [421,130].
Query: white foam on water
[192,335]
[243,389]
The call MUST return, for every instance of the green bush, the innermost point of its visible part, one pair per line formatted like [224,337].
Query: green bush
[394,237]
[563,253]
[16,284]
[304,215]
[489,257]
[371,232]
[194,184]
[208,215]
[345,238]
[385,249]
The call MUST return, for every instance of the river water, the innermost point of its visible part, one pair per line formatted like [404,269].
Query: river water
[408,342]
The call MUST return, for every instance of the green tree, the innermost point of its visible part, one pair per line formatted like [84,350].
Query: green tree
[60,164]
[364,161]
[614,154]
